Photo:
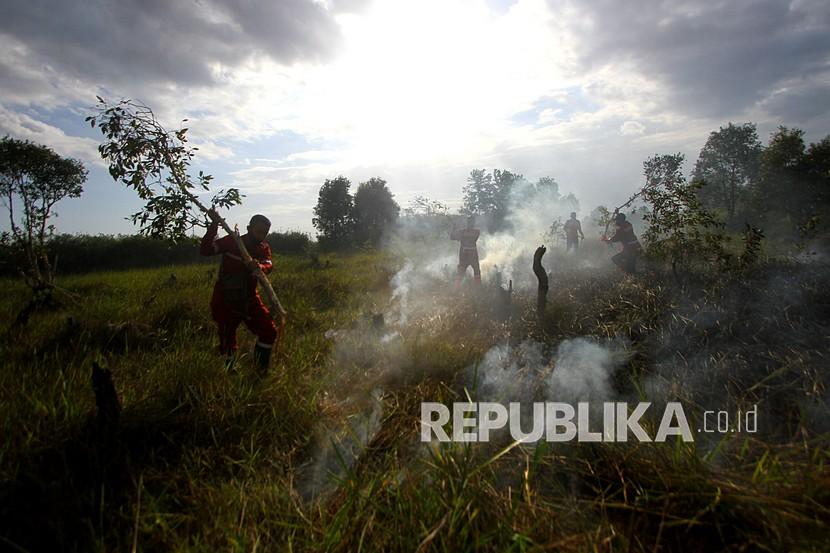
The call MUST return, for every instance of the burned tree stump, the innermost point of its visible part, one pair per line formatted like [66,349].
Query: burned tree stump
[542,276]
[106,400]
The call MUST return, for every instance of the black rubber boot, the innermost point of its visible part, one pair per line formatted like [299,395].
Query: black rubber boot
[262,358]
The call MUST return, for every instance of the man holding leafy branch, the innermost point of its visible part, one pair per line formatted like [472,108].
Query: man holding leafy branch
[235,297]
[155,163]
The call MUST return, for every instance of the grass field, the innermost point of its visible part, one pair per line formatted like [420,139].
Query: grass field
[324,454]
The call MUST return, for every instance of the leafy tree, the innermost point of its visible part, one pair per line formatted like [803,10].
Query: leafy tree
[479,193]
[490,194]
[680,230]
[817,171]
[781,191]
[548,188]
[601,216]
[334,213]
[727,164]
[33,178]
[504,182]
[375,209]
[818,166]
[794,181]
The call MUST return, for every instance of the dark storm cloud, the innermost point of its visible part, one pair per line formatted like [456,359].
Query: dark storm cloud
[800,105]
[715,58]
[116,41]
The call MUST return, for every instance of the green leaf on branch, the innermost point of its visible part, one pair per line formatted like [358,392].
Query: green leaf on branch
[144,156]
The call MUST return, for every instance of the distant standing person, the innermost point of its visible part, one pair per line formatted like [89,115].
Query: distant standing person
[626,260]
[468,253]
[573,232]
[235,298]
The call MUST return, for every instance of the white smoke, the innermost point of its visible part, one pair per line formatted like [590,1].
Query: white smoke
[583,371]
[531,213]
[580,369]
[338,444]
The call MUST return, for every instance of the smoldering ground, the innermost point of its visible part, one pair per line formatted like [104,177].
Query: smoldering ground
[754,338]
[424,311]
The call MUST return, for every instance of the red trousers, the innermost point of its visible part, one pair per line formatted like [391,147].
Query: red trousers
[256,318]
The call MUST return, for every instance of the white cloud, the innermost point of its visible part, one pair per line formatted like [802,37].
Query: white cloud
[421,93]
[21,126]
[632,128]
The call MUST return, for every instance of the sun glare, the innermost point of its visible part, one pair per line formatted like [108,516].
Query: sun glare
[438,82]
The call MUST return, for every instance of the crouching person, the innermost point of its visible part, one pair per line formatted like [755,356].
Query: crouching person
[235,297]
[626,260]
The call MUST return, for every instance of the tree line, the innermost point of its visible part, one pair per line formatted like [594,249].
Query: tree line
[783,186]
[346,220]
[343,219]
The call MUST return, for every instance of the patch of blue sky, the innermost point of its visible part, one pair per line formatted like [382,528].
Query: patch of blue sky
[500,6]
[276,147]
[270,151]
[559,107]
[68,119]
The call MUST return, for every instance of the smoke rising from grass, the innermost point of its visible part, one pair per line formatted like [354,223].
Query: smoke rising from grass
[579,369]
[429,258]
[338,444]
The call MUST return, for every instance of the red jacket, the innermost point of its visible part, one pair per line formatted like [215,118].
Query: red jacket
[231,260]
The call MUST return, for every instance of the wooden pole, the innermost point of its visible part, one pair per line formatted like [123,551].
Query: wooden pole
[271,295]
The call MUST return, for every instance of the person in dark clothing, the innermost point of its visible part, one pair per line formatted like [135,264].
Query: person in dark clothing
[468,253]
[626,260]
[235,297]
[573,232]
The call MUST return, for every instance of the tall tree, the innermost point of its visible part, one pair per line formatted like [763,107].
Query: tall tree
[334,213]
[780,191]
[375,209]
[794,179]
[504,183]
[479,193]
[680,230]
[490,194]
[727,164]
[548,188]
[817,169]
[33,178]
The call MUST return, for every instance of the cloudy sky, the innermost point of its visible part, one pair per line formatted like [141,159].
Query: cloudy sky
[282,95]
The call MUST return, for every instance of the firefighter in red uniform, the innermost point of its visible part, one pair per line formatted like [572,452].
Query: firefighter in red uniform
[626,260]
[468,253]
[235,298]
